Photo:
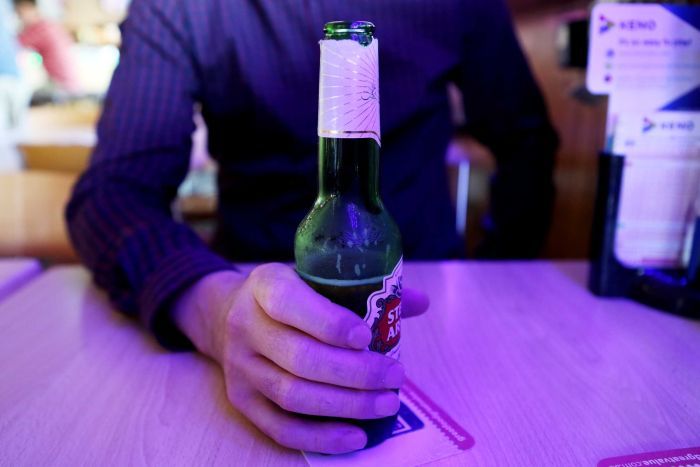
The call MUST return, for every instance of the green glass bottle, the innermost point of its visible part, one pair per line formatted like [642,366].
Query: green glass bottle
[348,248]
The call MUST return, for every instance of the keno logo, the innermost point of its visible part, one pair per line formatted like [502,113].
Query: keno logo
[687,125]
[637,25]
[669,125]
[605,24]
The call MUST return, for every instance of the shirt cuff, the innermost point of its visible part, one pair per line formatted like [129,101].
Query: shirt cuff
[173,275]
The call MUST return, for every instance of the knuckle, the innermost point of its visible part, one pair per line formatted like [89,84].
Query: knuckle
[325,406]
[260,272]
[372,373]
[236,324]
[357,406]
[236,395]
[273,289]
[233,364]
[284,393]
[365,406]
[356,370]
[371,377]
[241,315]
[334,327]
[340,368]
[303,361]
[269,271]
[283,433]
[237,382]
[275,297]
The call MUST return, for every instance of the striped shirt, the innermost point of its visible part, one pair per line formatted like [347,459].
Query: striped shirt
[253,67]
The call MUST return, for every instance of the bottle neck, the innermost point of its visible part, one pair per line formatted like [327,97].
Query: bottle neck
[349,168]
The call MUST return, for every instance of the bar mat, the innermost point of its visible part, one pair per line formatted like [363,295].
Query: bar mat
[424,433]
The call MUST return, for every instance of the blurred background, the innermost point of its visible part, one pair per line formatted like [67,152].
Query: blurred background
[68,49]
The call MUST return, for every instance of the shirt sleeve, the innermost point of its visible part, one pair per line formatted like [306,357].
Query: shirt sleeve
[505,111]
[119,215]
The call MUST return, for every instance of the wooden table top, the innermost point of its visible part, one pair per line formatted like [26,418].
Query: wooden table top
[539,371]
[16,272]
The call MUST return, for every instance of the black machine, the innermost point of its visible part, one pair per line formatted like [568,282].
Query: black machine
[673,290]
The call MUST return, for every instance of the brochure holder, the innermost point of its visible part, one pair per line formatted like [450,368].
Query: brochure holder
[673,290]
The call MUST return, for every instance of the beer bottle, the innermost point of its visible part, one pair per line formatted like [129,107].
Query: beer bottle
[348,248]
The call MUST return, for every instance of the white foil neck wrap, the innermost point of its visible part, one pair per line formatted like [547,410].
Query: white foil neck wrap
[348,104]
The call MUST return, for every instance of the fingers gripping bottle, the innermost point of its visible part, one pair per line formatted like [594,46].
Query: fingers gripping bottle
[348,248]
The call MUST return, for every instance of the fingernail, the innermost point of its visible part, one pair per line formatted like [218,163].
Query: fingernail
[386,404]
[395,376]
[359,337]
[355,439]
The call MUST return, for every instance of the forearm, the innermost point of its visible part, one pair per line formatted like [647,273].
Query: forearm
[201,311]
[136,251]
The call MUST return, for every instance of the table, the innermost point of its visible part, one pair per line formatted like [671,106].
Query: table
[539,371]
[32,204]
[16,272]
[59,137]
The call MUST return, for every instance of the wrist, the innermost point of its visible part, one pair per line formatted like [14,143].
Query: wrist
[200,311]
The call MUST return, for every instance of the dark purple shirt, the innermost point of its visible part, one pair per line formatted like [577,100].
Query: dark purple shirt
[253,67]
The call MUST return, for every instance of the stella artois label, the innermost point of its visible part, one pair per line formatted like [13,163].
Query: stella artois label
[384,314]
[349,90]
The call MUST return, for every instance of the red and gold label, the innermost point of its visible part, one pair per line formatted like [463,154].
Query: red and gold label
[384,314]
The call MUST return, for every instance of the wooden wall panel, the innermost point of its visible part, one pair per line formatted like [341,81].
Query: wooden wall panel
[581,127]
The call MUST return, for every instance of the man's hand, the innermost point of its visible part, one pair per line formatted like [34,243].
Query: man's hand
[286,351]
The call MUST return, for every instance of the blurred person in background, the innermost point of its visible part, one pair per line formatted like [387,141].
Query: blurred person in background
[54,44]
[13,92]
[253,68]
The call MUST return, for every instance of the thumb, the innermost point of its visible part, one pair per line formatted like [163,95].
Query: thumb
[413,303]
